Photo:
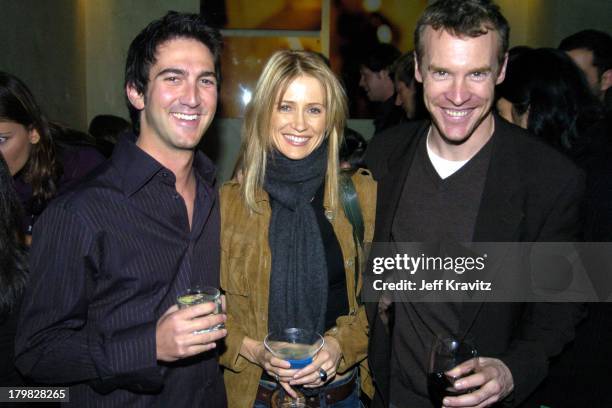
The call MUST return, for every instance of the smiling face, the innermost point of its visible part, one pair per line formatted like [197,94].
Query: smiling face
[16,143]
[181,97]
[459,75]
[298,120]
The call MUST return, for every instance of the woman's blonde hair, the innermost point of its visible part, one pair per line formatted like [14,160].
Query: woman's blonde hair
[282,68]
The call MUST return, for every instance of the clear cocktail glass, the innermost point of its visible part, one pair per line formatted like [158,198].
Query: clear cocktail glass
[298,347]
[201,294]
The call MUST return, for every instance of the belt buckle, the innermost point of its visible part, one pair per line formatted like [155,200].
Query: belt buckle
[280,399]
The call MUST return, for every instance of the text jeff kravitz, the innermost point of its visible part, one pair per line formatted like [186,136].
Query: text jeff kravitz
[435,285]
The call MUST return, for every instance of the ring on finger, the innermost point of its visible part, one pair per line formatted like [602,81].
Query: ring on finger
[322,375]
[277,377]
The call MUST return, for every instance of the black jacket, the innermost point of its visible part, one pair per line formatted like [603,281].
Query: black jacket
[532,193]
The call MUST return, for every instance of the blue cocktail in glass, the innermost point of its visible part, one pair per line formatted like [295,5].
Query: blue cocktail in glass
[298,347]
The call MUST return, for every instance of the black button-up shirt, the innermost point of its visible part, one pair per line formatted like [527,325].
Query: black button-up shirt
[108,259]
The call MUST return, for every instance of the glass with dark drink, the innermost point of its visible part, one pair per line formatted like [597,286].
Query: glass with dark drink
[447,352]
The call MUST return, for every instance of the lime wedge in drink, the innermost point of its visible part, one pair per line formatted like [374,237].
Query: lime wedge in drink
[189,300]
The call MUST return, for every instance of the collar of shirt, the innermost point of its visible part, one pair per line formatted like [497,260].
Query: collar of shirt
[138,167]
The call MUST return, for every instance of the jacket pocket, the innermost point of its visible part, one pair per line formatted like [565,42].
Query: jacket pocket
[234,269]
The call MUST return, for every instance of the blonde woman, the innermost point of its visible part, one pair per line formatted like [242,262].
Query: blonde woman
[288,252]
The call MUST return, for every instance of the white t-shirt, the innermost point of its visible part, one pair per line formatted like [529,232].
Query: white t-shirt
[444,167]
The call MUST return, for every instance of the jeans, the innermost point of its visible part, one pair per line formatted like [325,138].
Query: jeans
[352,401]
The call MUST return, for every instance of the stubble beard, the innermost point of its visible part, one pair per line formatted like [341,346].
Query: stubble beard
[468,135]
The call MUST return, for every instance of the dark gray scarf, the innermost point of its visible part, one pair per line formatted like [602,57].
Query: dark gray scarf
[298,279]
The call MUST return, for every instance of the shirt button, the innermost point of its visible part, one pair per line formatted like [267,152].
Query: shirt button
[164,174]
[176,196]
[329,214]
[349,262]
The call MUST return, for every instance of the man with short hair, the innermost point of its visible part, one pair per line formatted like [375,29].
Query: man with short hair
[467,176]
[110,257]
[591,50]
[409,93]
[376,81]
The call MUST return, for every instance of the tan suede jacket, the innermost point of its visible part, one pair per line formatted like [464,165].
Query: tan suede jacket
[245,276]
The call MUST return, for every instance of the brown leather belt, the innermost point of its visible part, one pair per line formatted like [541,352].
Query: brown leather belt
[332,395]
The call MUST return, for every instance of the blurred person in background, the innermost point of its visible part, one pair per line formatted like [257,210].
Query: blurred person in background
[591,50]
[13,274]
[352,150]
[502,105]
[550,98]
[106,130]
[409,92]
[377,81]
[41,167]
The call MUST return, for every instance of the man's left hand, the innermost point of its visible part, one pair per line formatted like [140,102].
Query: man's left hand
[493,381]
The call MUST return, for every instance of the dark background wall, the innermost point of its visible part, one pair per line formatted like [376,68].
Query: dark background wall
[71,52]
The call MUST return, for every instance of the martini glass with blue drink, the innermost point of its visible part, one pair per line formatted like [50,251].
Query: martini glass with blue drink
[298,347]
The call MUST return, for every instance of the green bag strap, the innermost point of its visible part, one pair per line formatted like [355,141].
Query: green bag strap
[350,204]
[352,210]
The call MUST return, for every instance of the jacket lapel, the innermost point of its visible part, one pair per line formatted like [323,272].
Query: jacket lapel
[500,211]
[500,214]
[389,191]
[390,187]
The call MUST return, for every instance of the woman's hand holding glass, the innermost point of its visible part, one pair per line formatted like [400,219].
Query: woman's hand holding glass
[277,368]
[327,360]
